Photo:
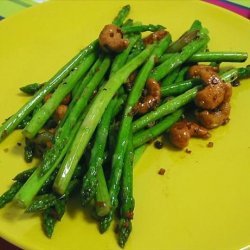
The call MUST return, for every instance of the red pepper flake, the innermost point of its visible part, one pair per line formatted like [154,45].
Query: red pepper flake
[161,171]
[129,215]
[100,204]
[6,150]
[210,144]
[126,224]
[188,151]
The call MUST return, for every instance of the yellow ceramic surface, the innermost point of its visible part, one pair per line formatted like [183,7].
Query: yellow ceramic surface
[203,200]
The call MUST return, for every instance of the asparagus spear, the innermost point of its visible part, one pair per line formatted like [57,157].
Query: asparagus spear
[36,181]
[121,59]
[81,86]
[166,108]
[212,56]
[181,100]
[142,28]
[90,183]
[23,176]
[102,199]
[121,16]
[177,59]
[40,118]
[179,87]
[127,199]
[118,157]
[182,74]
[186,38]
[9,194]
[15,119]
[149,134]
[169,79]
[31,89]
[55,213]
[92,118]
[42,202]
[63,133]
[137,49]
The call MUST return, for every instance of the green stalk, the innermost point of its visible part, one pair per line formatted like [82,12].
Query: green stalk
[81,86]
[142,28]
[186,38]
[31,89]
[10,193]
[96,110]
[216,56]
[32,186]
[126,123]
[182,74]
[121,16]
[15,119]
[179,87]
[150,134]
[90,188]
[45,112]
[165,109]
[170,78]
[64,132]
[127,199]
[177,59]
[90,182]
[120,59]
[102,200]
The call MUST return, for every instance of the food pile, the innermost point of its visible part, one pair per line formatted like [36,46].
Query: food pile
[90,121]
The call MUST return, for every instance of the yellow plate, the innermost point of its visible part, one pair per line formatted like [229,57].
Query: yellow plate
[202,202]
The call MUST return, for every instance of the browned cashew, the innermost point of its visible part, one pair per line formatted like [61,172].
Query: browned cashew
[151,100]
[155,36]
[60,112]
[111,39]
[208,74]
[214,118]
[211,96]
[182,131]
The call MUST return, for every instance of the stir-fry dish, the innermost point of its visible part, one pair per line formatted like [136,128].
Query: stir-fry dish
[90,122]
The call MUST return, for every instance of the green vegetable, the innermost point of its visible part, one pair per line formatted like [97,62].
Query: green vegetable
[179,87]
[41,203]
[28,153]
[64,131]
[165,109]
[177,59]
[121,16]
[92,118]
[9,194]
[216,56]
[9,126]
[182,74]
[44,113]
[31,89]
[118,156]
[149,134]
[23,176]
[127,199]
[142,28]
[169,79]
[90,182]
